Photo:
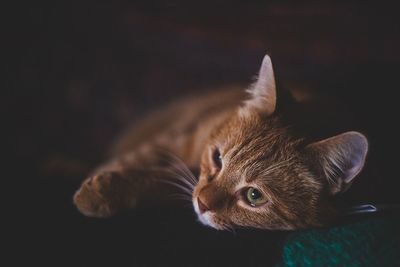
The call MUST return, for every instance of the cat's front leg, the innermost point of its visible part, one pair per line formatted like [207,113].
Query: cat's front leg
[122,184]
[105,193]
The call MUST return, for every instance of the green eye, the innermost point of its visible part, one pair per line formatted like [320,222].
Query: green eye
[254,197]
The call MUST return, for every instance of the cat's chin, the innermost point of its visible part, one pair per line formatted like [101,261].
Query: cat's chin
[205,219]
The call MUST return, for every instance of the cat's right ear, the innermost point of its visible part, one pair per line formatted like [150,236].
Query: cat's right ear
[339,158]
[263,91]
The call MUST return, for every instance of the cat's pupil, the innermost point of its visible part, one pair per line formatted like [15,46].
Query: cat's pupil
[217,158]
[255,194]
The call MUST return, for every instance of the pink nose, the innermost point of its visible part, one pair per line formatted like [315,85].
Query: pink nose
[202,207]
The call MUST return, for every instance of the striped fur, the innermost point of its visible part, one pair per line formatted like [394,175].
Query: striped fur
[258,149]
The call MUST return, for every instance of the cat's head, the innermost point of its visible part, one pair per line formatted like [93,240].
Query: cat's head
[255,173]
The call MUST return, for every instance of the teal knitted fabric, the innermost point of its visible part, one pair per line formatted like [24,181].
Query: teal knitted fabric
[371,242]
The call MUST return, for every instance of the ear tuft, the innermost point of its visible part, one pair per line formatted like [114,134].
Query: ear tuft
[263,91]
[341,158]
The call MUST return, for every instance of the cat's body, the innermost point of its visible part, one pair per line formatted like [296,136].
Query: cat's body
[183,127]
[255,168]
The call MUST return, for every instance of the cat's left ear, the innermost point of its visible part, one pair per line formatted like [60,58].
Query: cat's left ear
[339,159]
[263,92]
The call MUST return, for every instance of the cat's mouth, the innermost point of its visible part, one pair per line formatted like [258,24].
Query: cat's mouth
[206,218]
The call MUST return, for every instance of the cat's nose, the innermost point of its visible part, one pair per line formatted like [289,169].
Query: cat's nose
[202,207]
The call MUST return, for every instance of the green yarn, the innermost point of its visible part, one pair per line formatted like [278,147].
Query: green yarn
[372,242]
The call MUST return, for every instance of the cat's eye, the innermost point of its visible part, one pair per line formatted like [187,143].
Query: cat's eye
[254,197]
[216,158]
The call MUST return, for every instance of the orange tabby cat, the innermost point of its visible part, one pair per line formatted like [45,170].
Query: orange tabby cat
[255,170]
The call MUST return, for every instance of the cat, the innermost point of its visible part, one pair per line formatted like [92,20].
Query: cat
[255,168]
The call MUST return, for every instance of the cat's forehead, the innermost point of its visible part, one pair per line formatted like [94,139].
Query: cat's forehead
[250,146]
[257,128]
[257,142]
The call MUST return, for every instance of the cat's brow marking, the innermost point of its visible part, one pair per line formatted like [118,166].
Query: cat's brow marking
[270,169]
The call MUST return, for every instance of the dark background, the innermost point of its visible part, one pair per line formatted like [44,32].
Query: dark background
[78,72]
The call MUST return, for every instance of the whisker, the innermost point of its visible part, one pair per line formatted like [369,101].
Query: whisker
[174,174]
[178,168]
[178,175]
[174,165]
[184,189]
[192,183]
[181,197]
[177,163]
[184,167]
[179,178]
[230,228]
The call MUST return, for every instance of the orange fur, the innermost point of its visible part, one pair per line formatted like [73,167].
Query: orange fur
[257,150]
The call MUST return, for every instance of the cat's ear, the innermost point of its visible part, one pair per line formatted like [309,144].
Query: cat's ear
[340,158]
[263,91]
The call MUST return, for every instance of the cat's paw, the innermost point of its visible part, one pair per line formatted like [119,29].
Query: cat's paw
[102,195]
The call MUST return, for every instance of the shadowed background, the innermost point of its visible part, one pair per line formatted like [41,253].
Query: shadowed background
[79,73]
